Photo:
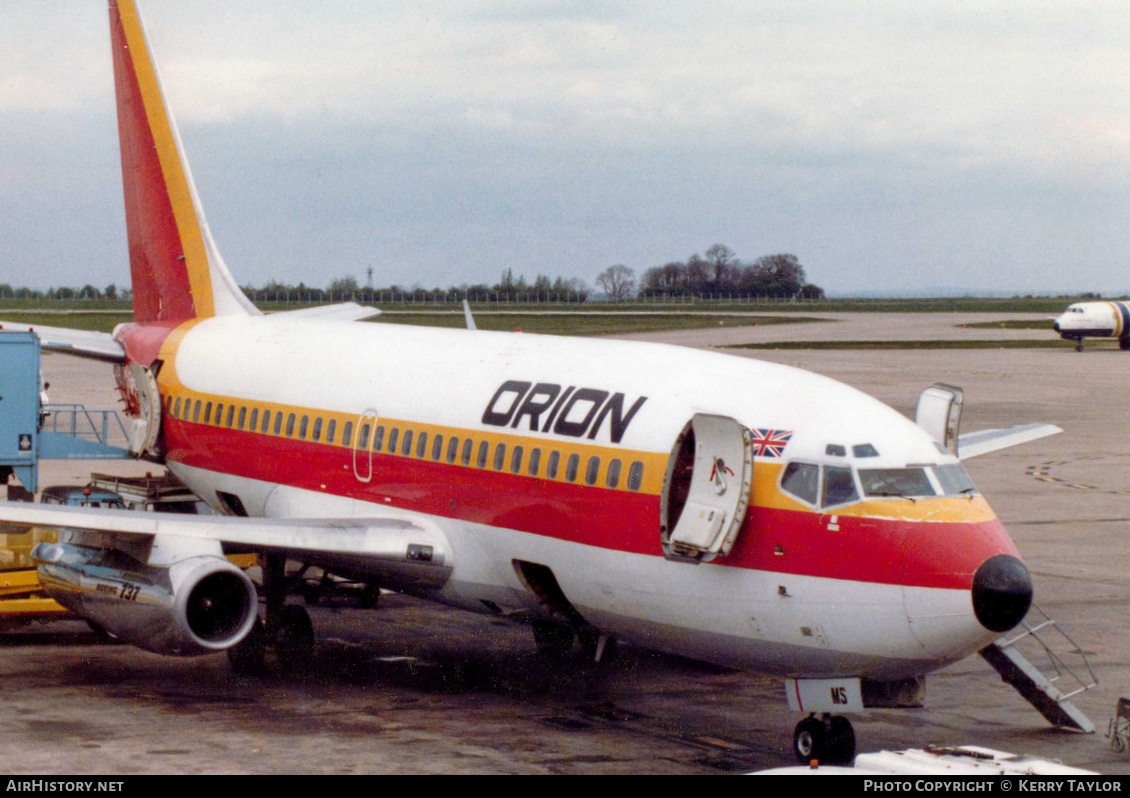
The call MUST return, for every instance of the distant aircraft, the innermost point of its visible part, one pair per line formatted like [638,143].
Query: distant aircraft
[1095,320]
[730,510]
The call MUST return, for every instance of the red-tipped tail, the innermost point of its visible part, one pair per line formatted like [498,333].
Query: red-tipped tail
[176,270]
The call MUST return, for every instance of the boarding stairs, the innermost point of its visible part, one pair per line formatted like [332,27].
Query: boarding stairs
[75,432]
[1050,694]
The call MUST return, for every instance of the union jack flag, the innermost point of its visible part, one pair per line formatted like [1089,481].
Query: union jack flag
[770,442]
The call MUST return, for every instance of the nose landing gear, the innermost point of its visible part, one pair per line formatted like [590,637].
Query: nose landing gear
[829,739]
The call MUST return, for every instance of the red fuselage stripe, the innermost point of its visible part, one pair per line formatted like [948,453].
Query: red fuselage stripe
[877,550]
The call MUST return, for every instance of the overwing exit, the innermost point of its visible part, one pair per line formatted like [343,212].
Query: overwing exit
[731,510]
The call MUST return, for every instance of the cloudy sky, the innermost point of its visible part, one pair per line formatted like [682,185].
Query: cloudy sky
[891,146]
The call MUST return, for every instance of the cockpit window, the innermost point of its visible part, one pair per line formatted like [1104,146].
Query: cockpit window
[839,487]
[864,450]
[906,482]
[801,480]
[954,480]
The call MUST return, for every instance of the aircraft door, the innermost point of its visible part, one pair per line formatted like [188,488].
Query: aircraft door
[362,445]
[939,413]
[143,428]
[706,489]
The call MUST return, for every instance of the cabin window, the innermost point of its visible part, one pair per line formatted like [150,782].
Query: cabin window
[552,464]
[500,457]
[366,428]
[266,421]
[801,480]
[317,436]
[330,430]
[592,471]
[278,423]
[219,418]
[452,449]
[196,412]
[422,445]
[612,480]
[304,427]
[437,448]
[208,413]
[468,448]
[393,437]
[242,417]
[254,422]
[635,476]
[516,461]
[176,408]
[347,434]
[535,462]
[230,416]
[406,447]
[379,438]
[839,486]
[572,465]
[484,450]
[290,421]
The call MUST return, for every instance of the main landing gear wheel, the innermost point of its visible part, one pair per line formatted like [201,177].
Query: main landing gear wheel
[553,639]
[1124,344]
[286,628]
[295,644]
[246,656]
[830,741]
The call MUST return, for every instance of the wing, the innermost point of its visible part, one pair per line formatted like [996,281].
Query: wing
[84,343]
[974,444]
[399,554]
[342,311]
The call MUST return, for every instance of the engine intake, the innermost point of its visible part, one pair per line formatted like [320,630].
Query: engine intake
[197,605]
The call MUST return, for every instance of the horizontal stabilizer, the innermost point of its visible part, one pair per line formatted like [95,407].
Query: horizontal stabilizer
[82,343]
[341,311]
[400,554]
[974,444]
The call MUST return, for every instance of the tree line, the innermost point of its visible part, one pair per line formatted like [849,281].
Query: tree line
[719,273]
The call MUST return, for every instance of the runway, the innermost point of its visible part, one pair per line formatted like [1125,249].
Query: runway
[414,688]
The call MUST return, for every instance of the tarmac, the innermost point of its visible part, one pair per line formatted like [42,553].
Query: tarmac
[414,688]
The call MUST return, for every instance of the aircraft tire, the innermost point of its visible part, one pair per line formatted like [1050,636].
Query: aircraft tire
[841,742]
[246,656]
[809,740]
[553,639]
[295,646]
[1124,344]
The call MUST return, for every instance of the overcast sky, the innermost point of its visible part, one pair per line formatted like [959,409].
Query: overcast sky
[890,146]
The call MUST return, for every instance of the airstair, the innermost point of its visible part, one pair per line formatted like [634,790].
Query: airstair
[1049,693]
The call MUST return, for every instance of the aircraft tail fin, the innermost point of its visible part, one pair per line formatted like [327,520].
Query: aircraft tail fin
[176,270]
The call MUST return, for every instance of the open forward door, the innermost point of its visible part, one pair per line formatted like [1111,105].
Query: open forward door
[939,413]
[706,489]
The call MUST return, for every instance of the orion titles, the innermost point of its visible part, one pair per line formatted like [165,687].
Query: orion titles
[571,411]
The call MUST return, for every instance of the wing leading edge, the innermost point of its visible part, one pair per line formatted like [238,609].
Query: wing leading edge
[403,555]
[974,444]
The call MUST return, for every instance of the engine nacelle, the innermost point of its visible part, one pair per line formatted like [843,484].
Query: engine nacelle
[196,605]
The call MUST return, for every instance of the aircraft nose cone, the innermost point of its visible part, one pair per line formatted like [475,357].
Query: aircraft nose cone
[1002,592]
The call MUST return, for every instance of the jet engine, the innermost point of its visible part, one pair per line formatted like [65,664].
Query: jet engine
[198,603]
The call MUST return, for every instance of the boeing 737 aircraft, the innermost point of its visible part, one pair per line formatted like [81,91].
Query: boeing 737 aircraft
[721,508]
[1096,320]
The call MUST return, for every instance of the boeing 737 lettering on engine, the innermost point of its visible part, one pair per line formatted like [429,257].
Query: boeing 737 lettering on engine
[722,508]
